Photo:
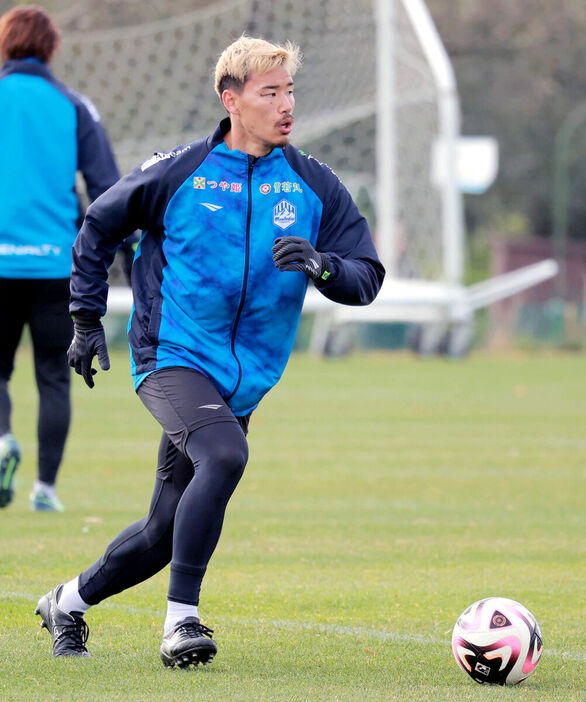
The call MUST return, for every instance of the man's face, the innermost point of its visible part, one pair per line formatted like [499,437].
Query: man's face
[262,113]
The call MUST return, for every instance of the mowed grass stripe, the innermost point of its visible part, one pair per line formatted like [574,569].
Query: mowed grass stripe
[383,495]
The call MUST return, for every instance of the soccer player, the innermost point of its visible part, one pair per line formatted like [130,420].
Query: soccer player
[234,228]
[47,133]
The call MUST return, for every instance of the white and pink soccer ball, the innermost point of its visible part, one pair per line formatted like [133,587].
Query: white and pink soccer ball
[497,641]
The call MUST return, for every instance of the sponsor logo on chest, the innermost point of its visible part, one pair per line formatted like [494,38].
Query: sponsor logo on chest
[284,186]
[201,183]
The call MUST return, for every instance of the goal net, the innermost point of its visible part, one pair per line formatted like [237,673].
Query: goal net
[153,85]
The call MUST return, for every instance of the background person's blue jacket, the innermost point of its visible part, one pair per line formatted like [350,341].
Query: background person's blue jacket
[207,294]
[47,133]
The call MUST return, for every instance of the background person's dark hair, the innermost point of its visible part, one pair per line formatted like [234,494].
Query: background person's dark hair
[28,31]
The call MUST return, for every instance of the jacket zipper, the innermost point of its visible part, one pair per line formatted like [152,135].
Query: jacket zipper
[251,161]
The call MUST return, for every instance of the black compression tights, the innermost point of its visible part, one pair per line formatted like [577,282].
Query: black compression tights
[184,521]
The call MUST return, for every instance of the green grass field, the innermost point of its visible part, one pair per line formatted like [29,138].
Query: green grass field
[383,495]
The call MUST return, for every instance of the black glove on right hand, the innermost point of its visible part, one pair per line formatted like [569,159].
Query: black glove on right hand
[293,253]
[89,340]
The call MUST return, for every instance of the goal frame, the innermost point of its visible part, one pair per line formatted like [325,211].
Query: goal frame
[451,225]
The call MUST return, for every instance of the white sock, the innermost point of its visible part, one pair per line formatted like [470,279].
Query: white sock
[45,487]
[176,612]
[70,599]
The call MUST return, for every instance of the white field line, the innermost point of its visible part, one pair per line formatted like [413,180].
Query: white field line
[291,625]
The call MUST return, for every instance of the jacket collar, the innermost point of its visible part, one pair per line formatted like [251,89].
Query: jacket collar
[223,128]
[33,68]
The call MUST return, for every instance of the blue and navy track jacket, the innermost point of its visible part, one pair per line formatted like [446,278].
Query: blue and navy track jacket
[207,294]
[47,133]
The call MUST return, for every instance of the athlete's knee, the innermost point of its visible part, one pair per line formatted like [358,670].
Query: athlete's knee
[53,378]
[222,449]
[230,459]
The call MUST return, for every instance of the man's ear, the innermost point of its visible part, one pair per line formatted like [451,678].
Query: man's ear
[230,101]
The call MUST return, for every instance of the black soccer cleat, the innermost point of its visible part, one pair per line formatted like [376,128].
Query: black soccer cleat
[188,643]
[69,631]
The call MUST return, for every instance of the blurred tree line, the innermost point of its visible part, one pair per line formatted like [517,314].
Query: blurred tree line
[520,68]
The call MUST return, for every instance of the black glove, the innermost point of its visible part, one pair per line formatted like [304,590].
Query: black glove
[89,340]
[293,253]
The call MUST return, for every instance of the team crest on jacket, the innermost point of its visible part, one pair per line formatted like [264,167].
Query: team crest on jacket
[284,214]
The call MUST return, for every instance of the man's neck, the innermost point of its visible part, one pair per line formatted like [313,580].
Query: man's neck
[233,142]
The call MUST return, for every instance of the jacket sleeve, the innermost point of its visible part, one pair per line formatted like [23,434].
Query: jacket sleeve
[344,238]
[134,202]
[95,157]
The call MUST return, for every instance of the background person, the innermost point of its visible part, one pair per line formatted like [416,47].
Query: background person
[234,227]
[47,133]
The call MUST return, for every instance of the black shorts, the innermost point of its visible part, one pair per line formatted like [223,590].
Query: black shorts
[182,400]
[44,306]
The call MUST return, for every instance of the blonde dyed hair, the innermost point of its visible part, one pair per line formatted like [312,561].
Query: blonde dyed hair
[248,55]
